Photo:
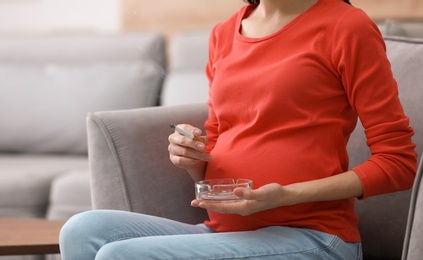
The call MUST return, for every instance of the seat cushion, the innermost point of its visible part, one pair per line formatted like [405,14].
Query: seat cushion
[69,194]
[25,181]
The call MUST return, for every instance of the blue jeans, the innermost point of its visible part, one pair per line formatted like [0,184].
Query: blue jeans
[112,235]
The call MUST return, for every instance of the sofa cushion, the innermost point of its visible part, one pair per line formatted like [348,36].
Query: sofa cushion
[186,81]
[82,48]
[189,50]
[25,181]
[43,108]
[69,194]
[403,29]
[185,87]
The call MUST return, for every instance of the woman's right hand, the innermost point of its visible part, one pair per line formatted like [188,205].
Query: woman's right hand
[186,153]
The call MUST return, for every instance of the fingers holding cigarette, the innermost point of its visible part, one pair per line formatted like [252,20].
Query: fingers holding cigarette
[186,147]
[189,134]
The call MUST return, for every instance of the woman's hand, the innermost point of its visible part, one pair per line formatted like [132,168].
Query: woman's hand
[273,195]
[189,154]
[266,197]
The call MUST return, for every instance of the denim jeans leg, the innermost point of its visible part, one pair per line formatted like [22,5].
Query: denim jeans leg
[84,234]
[267,243]
[121,235]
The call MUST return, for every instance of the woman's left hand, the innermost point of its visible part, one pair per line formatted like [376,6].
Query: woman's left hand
[273,195]
[266,197]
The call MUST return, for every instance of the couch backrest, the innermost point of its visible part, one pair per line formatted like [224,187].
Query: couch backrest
[383,218]
[48,83]
[189,50]
[186,81]
[81,48]
[410,29]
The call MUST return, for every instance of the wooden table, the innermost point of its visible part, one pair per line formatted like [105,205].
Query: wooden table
[25,236]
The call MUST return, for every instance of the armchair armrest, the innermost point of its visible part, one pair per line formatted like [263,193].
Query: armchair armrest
[414,233]
[129,162]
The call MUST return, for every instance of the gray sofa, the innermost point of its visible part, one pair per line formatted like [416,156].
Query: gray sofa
[48,83]
[130,169]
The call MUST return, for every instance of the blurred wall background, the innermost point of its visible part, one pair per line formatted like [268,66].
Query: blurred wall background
[59,15]
[172,16]
[168,16]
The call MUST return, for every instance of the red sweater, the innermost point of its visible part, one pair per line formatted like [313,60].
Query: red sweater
[282,108]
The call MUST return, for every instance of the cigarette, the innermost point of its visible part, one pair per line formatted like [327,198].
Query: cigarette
[187,134]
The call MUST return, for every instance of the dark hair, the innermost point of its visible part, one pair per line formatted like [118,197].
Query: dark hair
[258,1]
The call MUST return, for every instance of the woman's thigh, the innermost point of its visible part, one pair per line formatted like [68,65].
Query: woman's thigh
[266,243]
[109,234]
[84,234]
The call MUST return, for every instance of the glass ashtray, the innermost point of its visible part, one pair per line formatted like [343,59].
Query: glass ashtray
[220,190]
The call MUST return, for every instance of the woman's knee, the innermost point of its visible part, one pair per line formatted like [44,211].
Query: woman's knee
[82,226]
[79,231]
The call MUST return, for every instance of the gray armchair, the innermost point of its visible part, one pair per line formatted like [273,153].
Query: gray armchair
[130,167]
[131,170]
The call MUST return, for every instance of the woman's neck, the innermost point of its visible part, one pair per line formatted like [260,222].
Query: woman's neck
[271,15]
[272,8]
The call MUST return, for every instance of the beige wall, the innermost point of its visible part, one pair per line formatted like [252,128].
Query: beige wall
[392,9]
[170,16]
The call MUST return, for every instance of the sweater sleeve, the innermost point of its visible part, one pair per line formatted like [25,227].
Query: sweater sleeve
[359,56]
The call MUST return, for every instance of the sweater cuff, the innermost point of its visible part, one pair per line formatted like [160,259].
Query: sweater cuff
[372,178]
